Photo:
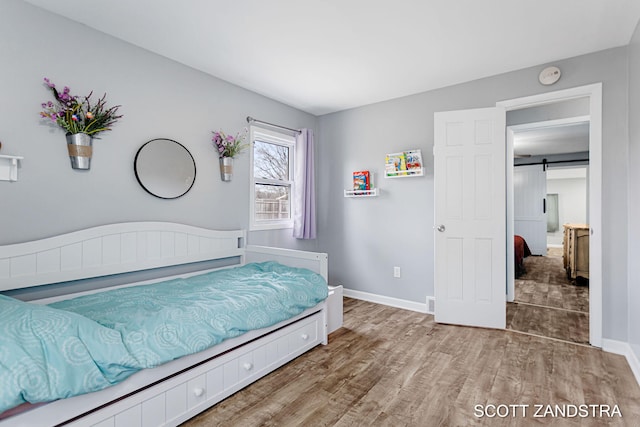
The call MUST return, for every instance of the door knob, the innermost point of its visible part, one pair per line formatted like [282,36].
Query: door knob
[440,228]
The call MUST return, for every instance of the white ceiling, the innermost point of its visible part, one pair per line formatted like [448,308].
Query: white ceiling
[322,56]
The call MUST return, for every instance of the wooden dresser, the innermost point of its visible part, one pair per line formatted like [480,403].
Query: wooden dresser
[576,250]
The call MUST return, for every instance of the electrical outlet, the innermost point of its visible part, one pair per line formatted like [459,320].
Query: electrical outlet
[396,272]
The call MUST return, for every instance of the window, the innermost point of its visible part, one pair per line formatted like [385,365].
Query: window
[272,155]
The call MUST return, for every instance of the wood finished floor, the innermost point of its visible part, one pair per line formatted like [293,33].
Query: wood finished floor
[393,367]
[547,303]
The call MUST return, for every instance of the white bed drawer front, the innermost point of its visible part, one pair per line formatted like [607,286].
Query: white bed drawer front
[180,398]
[196,391]
[153,413]
[301,338]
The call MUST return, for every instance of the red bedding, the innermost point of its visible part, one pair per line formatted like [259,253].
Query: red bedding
[521,251]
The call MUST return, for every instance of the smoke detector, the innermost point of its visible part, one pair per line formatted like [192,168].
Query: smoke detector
[549,75]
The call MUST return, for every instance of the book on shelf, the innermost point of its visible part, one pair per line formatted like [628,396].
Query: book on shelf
[414,162]
[361,182]
[404,163]
[395,164]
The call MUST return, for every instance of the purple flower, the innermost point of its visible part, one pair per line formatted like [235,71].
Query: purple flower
[77,114]
[228,145]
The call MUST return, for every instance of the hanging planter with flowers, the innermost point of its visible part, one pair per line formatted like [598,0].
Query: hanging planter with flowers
[228,147]
[81,119]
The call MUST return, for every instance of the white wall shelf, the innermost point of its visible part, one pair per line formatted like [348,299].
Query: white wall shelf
[361,193]
[404,164]
[406,174]
[9,167]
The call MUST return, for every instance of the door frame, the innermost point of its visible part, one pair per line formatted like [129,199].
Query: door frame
[594,93]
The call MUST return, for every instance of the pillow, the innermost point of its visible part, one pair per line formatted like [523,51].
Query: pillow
[48,354]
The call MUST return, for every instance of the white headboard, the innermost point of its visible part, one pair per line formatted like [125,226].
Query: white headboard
[113,249]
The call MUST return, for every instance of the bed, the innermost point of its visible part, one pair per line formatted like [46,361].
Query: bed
[153,387]
[521,251]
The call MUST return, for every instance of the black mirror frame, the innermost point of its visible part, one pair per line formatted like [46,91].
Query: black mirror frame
[135,168]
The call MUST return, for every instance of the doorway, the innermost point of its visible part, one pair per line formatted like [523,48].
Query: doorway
[593,95]
[550,190]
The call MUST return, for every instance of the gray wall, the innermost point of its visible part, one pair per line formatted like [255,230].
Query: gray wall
[159,98]
[367,237]
[555,111]
[634,194]
[572,204]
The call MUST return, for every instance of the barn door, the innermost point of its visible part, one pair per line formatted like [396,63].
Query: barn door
[529,206]
[470,228]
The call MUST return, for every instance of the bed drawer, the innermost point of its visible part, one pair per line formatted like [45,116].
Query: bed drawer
[180,398]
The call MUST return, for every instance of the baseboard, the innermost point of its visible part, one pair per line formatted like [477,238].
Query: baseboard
[624,349]
[390,301]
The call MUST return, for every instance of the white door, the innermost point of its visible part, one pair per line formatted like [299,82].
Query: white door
[529,216]
[470,235]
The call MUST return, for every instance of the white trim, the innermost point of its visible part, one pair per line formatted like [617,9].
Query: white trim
[550,97]
[511,268]
[594,92]
[390,301]
[550,123]
[624,349]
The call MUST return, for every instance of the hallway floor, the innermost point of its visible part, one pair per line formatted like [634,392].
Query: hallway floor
[547,303]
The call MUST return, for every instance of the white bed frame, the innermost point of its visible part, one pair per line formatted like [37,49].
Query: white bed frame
[176,391]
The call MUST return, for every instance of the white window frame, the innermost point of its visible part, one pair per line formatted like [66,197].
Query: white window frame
[279,138]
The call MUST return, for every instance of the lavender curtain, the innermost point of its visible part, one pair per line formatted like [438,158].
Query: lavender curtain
[304,197]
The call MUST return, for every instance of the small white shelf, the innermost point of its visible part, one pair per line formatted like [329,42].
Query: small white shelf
[406,174]
[404,164]
[361,193]
[9,167]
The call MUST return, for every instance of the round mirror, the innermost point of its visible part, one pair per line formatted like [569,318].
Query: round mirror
[165,168]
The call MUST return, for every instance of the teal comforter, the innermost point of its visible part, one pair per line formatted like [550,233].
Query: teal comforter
[90,342]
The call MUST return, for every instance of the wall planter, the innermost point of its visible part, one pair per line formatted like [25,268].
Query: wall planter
[81,118]
[226,168]
[227,147]
[80,147]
